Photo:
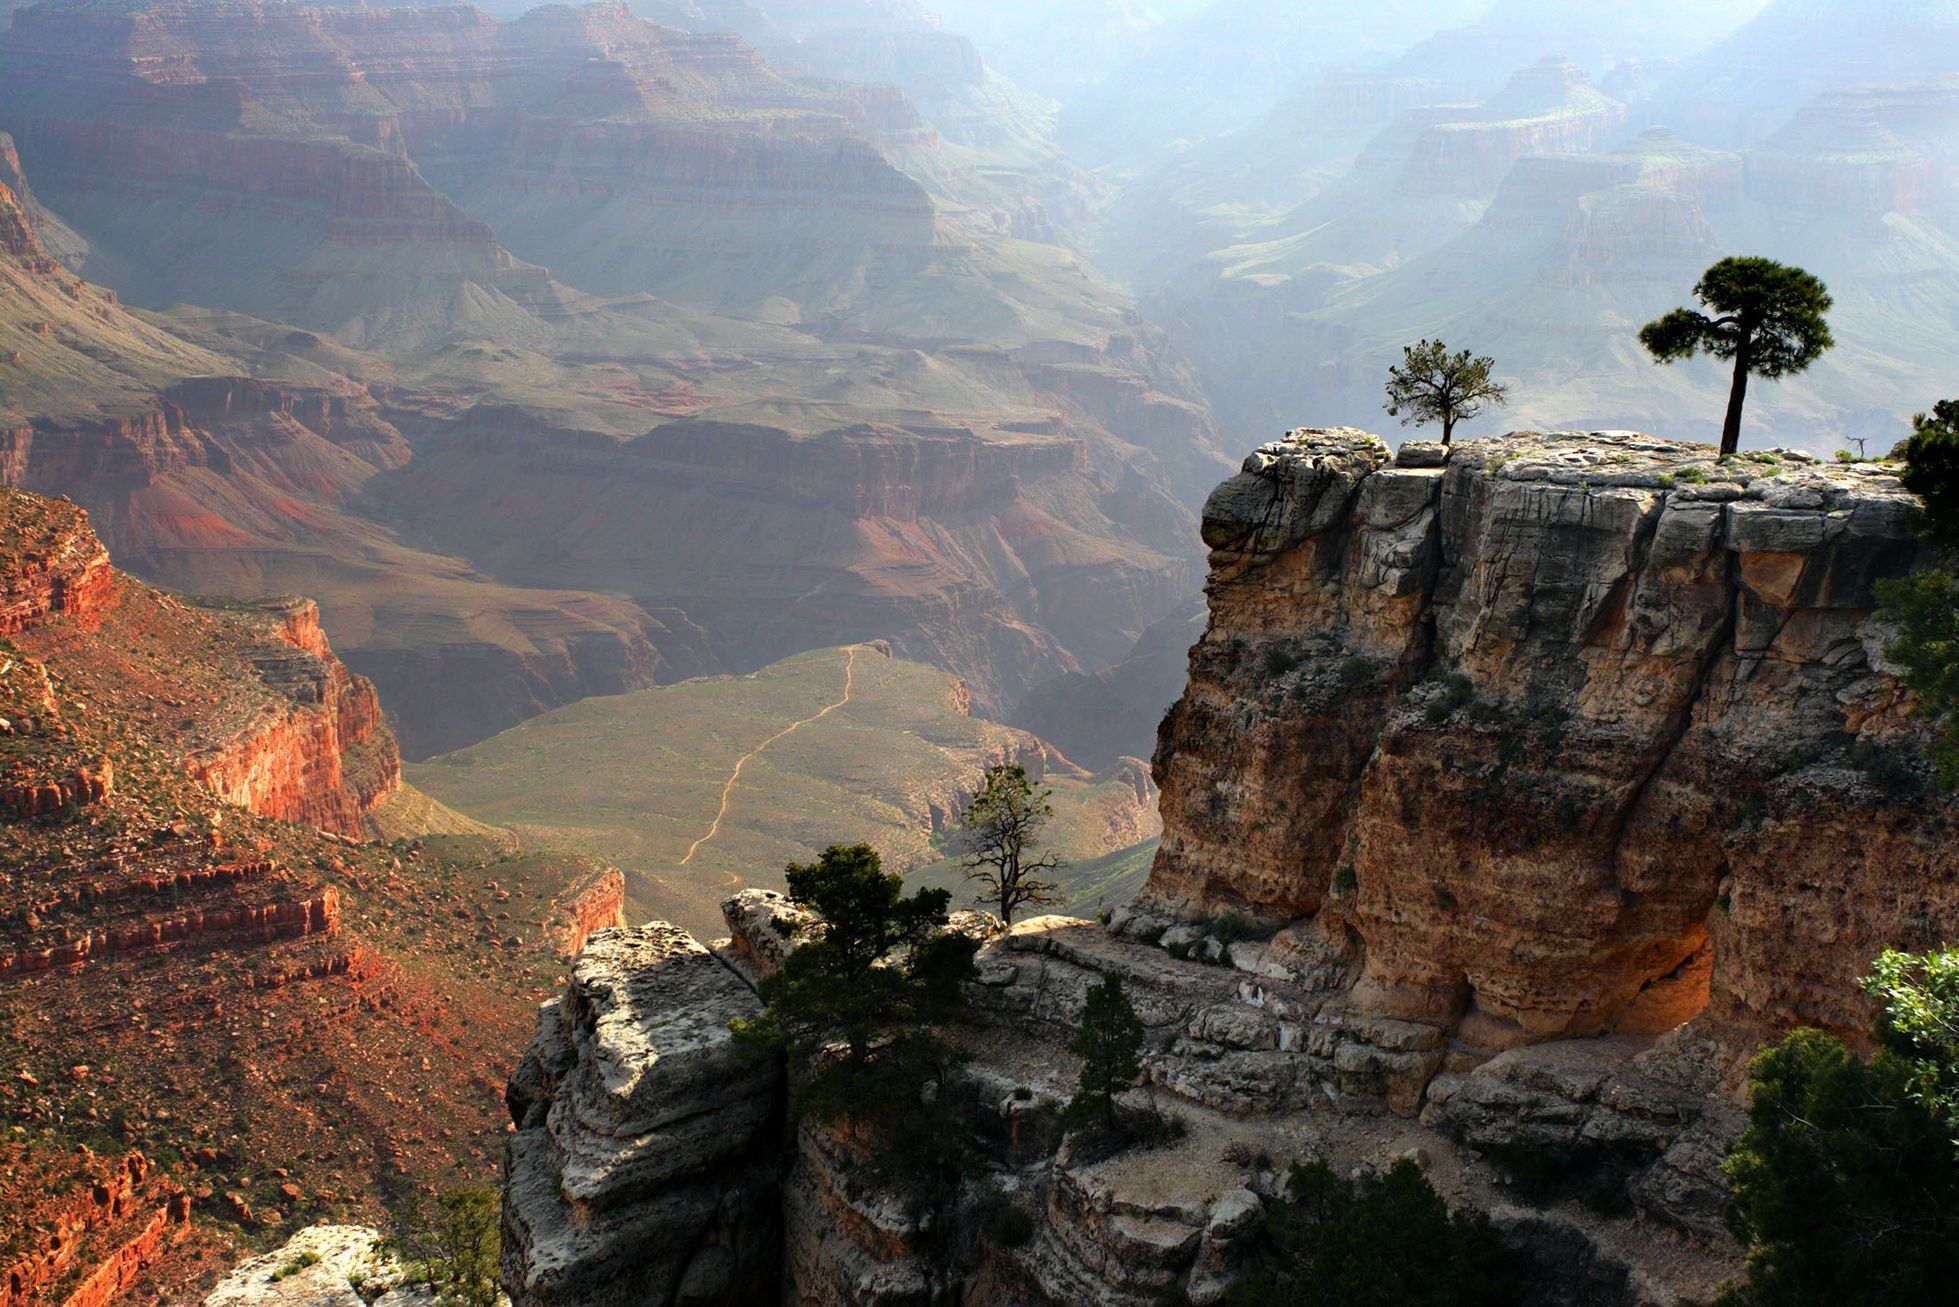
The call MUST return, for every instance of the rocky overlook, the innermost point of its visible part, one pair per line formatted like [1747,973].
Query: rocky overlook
[1519,790]
[1532,735]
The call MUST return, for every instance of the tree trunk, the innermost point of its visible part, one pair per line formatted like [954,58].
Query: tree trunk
[1448,427]
[1731,429]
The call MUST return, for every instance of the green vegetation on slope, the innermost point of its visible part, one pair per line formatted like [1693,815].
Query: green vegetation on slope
[698,788]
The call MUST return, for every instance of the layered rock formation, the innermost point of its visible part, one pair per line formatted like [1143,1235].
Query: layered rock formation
[922,431]
[96,1227]
[1518,791]
[642,1170]
[1534,728]
[167,955]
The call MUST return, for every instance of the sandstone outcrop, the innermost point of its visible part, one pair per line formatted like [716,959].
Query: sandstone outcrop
[323,1266]
[642,1170]
[57,567]
[95,1228]
[1528,736]
[319,753]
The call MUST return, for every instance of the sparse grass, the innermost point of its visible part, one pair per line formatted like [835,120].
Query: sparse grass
[638,778]
[296,1265]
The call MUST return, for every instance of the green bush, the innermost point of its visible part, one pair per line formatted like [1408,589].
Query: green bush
[1011,1226]
[453,1244]
[1846,1189]
[296,1265]
[1392,1242]
[1457,690]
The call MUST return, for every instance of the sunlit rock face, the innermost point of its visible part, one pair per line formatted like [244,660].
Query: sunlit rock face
[1574,734]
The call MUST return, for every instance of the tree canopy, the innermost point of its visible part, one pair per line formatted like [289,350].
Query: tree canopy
[1001,835]
[1765,316]
[1846,1189]
[1923,608]
[1931,458]
[1391,1242]
[1432,385]
[1109,1042]
[857,1002]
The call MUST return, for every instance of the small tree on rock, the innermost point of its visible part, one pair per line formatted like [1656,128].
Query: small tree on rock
[1931,458]
[453,1243]
[1109,1043]
[857,1003]
[1000,835]
[1432,385]
[1766,316]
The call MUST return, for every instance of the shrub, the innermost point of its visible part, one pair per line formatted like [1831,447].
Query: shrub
[453,1245]
[1390,1243]
[296,1265]
[1011,1226]
[1457,690]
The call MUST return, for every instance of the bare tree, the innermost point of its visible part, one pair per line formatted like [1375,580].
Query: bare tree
[999,836]
[1432,385]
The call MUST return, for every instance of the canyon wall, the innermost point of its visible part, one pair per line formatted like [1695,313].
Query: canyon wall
[320,753]
[1519,791]
[1531,733]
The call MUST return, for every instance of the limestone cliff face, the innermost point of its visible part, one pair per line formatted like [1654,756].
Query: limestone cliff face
[319,753]
[642,1170]
[1570,736]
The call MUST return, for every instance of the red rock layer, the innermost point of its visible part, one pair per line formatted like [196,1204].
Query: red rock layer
[60,569]
[323,759]
[318,914]
[128,1206]
[599,903]
[32,798]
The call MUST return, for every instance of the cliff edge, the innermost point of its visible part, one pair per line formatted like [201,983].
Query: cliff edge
[1519,792]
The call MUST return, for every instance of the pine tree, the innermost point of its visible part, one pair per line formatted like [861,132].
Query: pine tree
[1109,1042]
[1767,317]
[1433,385]
[999,836]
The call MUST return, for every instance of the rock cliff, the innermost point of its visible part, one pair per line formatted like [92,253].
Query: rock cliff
[1530,735]
[1517,793]
[166,955]
[642,1169]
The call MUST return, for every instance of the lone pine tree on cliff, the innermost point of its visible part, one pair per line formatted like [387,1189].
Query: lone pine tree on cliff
[1766,316]
[999,836]
[859,1002]
[1432,385]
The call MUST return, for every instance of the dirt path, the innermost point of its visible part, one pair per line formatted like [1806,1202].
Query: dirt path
[728,790]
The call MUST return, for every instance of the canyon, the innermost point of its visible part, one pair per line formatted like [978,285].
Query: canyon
[759,771]
[778,307]
[1519,790]
[1377,204]
[196,928]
